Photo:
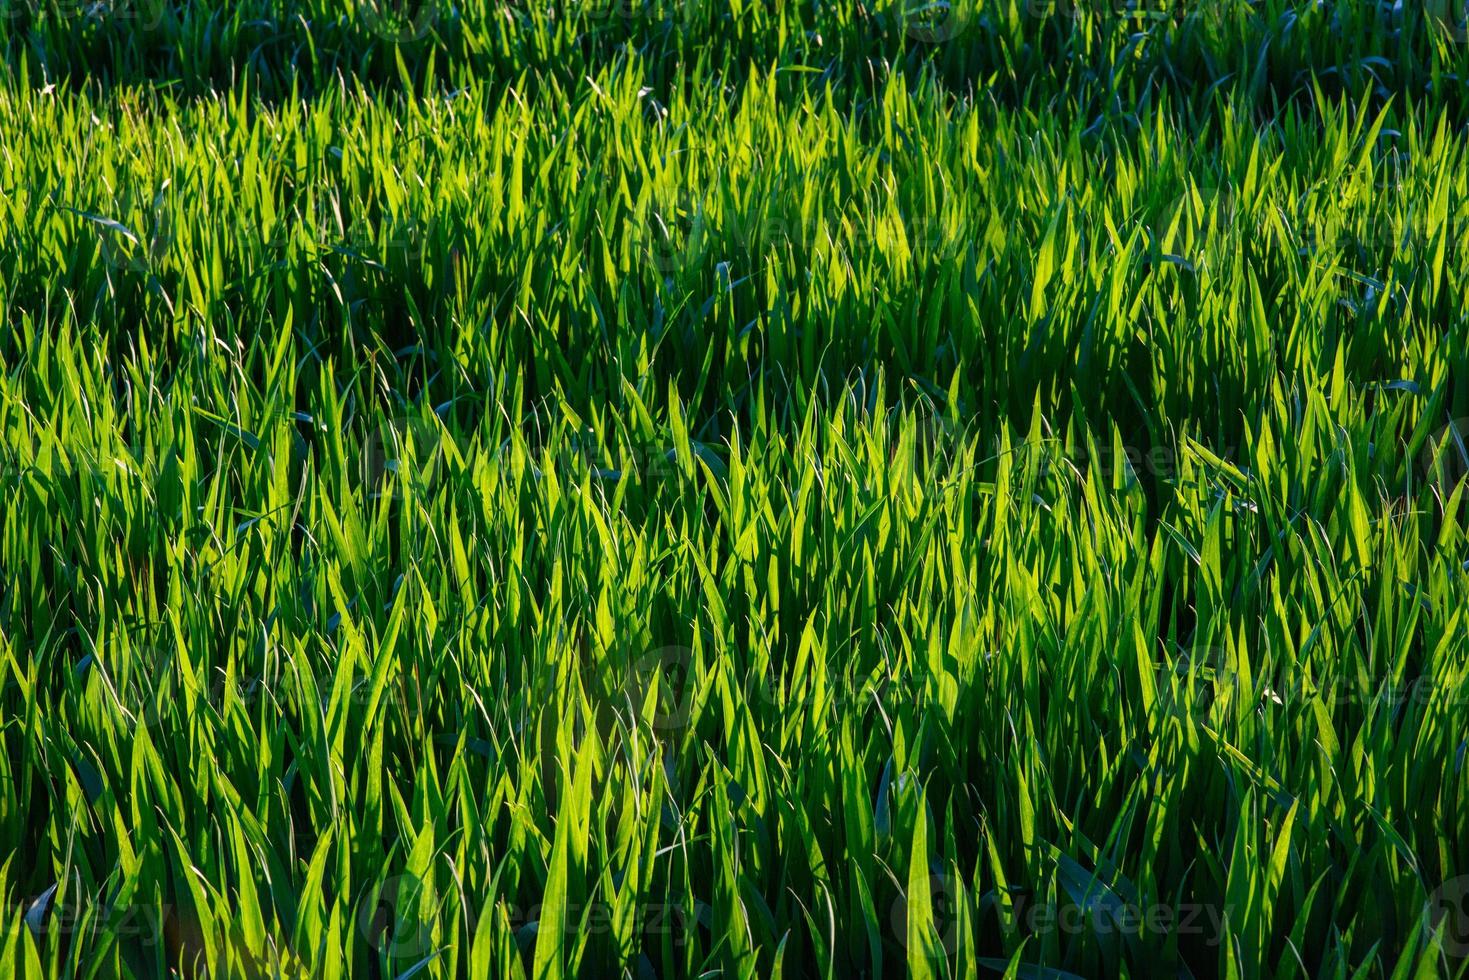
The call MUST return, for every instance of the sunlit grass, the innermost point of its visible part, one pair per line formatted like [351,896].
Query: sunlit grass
[950,500]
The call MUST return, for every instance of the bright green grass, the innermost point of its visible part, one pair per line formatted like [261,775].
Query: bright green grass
[507,503]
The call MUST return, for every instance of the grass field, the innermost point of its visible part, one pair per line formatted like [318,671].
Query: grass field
[687,488]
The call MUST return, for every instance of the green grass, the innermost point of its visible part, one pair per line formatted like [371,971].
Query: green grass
[731,489]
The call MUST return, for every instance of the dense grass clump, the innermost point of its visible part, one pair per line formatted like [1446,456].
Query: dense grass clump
[733,489]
